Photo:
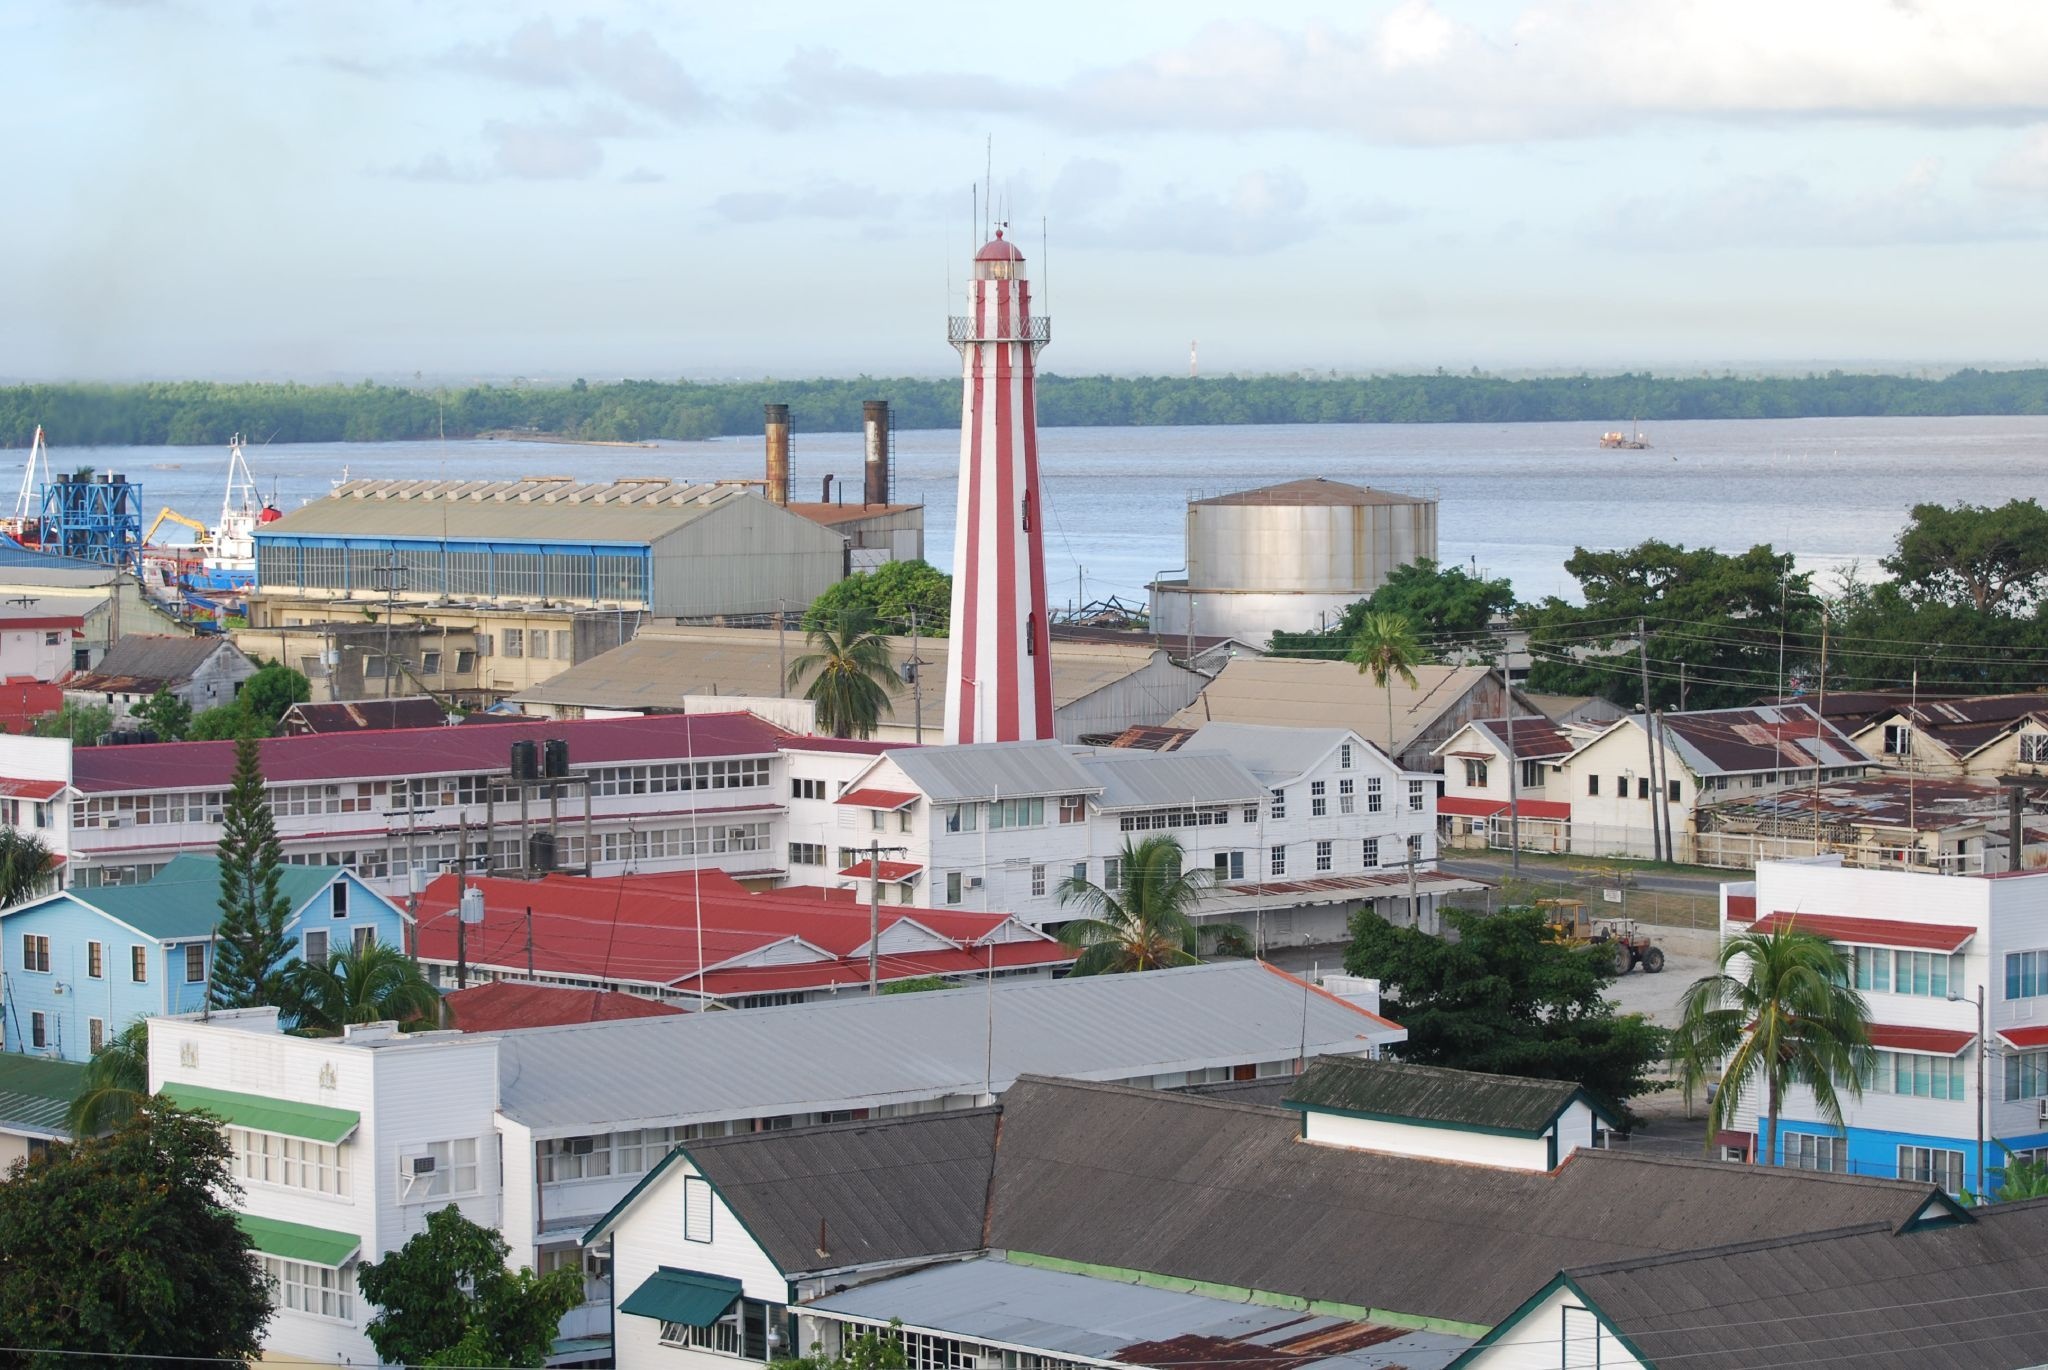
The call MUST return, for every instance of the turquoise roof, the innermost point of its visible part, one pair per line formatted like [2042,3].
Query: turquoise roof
[183,901]
[36,1093]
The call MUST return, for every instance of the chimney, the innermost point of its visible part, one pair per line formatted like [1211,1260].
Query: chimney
[874,416]
[777,417]
[826,497]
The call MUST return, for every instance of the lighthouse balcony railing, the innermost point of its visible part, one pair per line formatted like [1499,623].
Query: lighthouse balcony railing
[962,328]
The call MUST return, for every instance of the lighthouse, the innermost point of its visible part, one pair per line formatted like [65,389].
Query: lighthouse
[999,688]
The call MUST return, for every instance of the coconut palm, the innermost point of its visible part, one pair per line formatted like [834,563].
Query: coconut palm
[24,866]
[1384,649]
[115,1084]
[373,984]
[850,674]
[1145,920]
[1782,1011]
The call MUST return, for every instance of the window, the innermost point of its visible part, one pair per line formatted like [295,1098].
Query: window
[540,644]
[575,1158]
[2026,1075]
[1016,813]
[1416,795]
[1475,774]
[1345,799]
[1279,803]
[515,642]
[317,1289]
[1278,859]
[962,817]
[337,899]
[1229,865]
[1323,856]
[2026,974]
[2033,749]
[442,1170]
[95,1035]
[1532,775]
[952,887]
[592,1264]
[51,639]
[293,1162]
[1672,791]
[878,818]
[565,641]
[362,939]
[1251,813]
[1038,880]
[430,663]
[1073,808]
[903,817]
[1921,1077]
[312,667]
[806,853]
[313,947]
[1932,1165]
[743,1333]
[1898,739]
[1593,786]
[1146,820]
[1079,874]
[696,1209]
[1621,787]
[1811,1151]
[484,645]
[803,788]
[138,965]
[465,661]
[38,1030]
[35,952]
[1112,873]
[1925,973]
[1344,756]
[1873,968]
[1370,854]
[195,963]
[636,1152]
[1642,787]
[1374,801]
[1318,805]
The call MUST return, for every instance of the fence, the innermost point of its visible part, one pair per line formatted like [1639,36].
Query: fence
[1664,908]
[1720,850]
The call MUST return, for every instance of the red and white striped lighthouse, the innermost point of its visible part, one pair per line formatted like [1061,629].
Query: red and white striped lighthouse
[1000,686]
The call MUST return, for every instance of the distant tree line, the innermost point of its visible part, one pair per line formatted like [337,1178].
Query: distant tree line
[203,412]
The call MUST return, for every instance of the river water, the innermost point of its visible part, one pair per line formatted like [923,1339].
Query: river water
[1515,498]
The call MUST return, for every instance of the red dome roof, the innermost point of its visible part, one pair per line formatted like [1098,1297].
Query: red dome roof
[999,249]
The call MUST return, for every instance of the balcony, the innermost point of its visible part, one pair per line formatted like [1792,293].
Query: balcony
[962,330]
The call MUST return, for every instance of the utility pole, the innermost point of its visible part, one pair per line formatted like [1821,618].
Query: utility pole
[461,904]
[529,941]
[1507,688]
[1649,730]
[781,651]
[916,664]
[875,850]
[1820,722]
[391,573]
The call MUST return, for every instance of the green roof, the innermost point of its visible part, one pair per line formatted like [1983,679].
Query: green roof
[683,1296]
[1432,1096]
[36,1093]
[316,1122]
[298,1242]
[183,900]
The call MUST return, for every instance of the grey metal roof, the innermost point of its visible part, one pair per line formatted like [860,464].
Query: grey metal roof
[872,1191]
[995,770]
[531,509]
[1269,751]
[859,1052]
[1315,490]
[1206,1190]
[1053,1312]
[1297,692]
[1432,1094]
[167,658]
[1957,1296]
[1130,779]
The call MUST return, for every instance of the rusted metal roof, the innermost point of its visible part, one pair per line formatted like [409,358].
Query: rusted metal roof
[1889,800]
[1535,739]
[1761,738]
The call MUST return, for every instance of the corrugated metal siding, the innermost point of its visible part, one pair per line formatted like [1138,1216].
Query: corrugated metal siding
[745,556]
[1146,697]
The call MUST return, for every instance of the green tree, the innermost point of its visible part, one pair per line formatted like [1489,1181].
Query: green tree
[1453,610]
[447,1298]
[251,943]
[25,867]
[890,594]
[166,715]
[1508,998]
[850,674]
[1994,561]
[1781,1011]
[274,688]
[1142,919]
[224,723]
[376,984]
[917,984]
[876,1350]
[2020,1177]
[116,1083]
[84,724]
[126,1247]
[1386,649]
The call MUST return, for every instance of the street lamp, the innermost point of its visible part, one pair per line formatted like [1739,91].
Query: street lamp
[1983,1100]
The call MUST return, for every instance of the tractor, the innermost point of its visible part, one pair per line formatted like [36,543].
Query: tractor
[1570,921]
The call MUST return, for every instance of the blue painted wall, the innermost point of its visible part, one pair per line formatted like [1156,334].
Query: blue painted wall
[1873,1152]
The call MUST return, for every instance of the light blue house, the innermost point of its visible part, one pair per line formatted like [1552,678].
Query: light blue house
[80,965]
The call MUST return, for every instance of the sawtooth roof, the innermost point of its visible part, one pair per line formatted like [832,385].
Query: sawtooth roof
[1431,1094]
[1314,490]
[537,509]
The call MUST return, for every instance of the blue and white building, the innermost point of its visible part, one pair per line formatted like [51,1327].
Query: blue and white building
[84,963]
[1955,970]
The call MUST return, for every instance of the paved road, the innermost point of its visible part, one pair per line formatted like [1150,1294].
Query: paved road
[1495,869]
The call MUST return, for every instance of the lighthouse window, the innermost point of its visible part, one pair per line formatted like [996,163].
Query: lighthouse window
[1031,633]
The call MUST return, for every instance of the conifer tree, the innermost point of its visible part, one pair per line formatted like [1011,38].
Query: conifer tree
[251,943]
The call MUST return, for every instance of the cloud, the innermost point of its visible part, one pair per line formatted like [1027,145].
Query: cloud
[544,149]
[827,199]
[2023,170]
[1260,212]
[642,176]
[1551,69]
[434,167]
[631,67]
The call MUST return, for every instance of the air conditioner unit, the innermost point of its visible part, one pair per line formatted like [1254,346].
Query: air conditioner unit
[974,882]
[330,789]
[2044,1113]
[113,822]
[580,1146]
[213,815]
[416,1166]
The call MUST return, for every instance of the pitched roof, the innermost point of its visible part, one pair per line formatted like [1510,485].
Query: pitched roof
[502,1005]
[1962,725]
[1431,1094]
[531,508]
[379,753]
[1148,780]
[1953,1296]
[1535,739]
[991,770]
[148,660]
[414,711]
[1760,738]
[1226,1193]
[1270,752]
[181,902]
[1314,490]
[1298,692]
[36,1094]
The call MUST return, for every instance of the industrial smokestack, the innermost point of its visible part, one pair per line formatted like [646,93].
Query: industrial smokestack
[777,423]
[874,415]
[826,497]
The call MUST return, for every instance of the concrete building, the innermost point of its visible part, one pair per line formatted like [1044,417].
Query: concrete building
[1290,557]
[203,672]
[109,600]
[40,641]
[1099,688]
[1926,950]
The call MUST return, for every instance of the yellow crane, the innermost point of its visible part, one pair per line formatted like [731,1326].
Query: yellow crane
[170,515]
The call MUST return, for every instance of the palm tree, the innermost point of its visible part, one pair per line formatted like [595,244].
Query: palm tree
[1384,649]
[853,675]
[373,984]
[1146,920]
[1783,1010]
[24,866]
[116,1083]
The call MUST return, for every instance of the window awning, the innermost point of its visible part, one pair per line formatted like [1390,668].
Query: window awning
[682,1296]
[2026,1038]
[298,1242]
[1871,932]
[887,800]
[315,1122]
[1925,1041]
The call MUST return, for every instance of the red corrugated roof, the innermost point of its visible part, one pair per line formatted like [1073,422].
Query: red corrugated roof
[423,751]
[892,871]
[12,788]
[1931,1041]
[904,966]
[1476,806]
[889,800]
[1870,932]
[503,1005]
[2036,1036]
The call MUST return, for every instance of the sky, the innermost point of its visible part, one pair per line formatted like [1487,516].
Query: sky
[320,190]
